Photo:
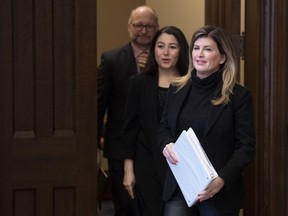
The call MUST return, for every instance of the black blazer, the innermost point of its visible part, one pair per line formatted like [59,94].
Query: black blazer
[116,67]
[139,140]
[140,127]
[228,141]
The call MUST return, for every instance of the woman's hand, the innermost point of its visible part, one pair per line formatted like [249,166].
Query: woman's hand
[170,154]
[129,177]
[214,187]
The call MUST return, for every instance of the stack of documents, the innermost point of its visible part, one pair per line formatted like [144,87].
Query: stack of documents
[193,172]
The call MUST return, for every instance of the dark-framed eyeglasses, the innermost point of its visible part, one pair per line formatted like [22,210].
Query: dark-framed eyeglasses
[139,27]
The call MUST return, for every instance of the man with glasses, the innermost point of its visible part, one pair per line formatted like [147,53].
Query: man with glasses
[116,67]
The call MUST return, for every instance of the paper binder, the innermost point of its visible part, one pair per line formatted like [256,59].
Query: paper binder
[193,172]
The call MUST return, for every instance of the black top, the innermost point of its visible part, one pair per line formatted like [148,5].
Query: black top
[197,106]
[162,93]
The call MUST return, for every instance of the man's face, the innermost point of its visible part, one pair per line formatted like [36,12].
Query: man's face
[142,28]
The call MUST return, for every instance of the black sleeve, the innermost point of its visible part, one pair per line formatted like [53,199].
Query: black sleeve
[131,119]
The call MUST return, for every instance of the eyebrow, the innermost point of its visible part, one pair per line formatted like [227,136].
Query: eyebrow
[168,43]
[204,46]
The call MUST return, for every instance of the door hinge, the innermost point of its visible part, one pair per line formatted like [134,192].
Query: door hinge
[239,42]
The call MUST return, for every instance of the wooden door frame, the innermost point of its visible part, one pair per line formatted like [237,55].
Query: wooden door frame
[266,75]
[227,15]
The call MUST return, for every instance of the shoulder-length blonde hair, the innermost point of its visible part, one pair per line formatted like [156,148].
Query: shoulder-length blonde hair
[228,68]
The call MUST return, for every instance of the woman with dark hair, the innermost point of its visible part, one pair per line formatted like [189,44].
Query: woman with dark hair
[220,112]
[144,165]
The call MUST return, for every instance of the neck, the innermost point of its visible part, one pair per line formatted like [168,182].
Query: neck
[166,77]
[204,74]
[139,46]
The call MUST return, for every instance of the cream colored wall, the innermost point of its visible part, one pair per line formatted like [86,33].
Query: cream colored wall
[185,14]
[112,17]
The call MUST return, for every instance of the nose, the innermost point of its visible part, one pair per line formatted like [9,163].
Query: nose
[200,53]
[144,30]
[166,51]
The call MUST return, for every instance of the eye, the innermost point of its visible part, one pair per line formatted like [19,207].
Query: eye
[138,26]
[207,49]
[195,48]
[160,45]
[150,27]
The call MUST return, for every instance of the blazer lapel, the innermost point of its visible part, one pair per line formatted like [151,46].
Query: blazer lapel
[178,103]
[213,116]
[128,60]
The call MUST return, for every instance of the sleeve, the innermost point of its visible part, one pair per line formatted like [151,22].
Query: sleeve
[104,85]
[244,139]
[131,124]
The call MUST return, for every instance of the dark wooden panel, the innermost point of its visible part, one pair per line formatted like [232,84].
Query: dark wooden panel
[23,68]
[25,202]
[44,68]
[266,77]
[226,14]
[214,10]
[254,47]
[64,201]
[6,91]
[48,117]
[64,66]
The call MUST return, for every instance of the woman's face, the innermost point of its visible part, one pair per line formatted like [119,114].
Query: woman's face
[206,57]
[167,51]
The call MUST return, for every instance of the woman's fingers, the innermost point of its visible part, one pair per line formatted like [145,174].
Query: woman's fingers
[169,153]
[130,191]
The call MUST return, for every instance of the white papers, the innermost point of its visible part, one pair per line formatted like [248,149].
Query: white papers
[193,172]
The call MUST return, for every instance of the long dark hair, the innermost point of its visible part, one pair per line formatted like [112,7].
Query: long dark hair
[183,59]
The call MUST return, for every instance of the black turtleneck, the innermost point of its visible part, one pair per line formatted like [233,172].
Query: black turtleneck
[197,106]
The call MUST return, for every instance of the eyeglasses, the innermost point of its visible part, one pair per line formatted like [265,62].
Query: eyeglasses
[139,27]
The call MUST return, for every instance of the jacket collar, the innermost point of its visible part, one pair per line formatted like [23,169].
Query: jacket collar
[180,100]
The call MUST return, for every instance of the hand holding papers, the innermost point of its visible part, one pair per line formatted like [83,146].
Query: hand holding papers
[193,172]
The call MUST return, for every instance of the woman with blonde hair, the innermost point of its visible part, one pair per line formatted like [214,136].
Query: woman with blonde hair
[219,110]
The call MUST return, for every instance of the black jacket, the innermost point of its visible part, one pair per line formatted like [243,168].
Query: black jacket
[228,141]
[116,67]
[139,140]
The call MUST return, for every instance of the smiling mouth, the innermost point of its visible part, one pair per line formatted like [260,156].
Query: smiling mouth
[200,62]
